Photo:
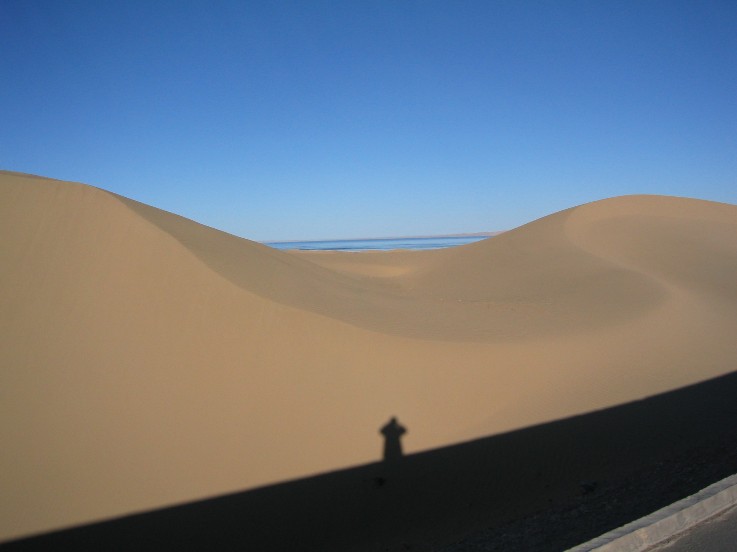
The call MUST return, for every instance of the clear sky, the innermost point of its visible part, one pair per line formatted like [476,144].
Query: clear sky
[350,118]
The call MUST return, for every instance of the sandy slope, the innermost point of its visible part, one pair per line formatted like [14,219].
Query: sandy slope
[146,359]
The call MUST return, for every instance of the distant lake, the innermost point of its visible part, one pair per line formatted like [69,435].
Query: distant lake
[384,244]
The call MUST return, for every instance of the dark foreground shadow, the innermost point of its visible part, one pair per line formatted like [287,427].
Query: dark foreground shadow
[576,478]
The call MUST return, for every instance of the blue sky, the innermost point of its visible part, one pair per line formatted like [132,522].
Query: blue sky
[311,120]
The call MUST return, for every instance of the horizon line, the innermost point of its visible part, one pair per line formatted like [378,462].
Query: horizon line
[387,238]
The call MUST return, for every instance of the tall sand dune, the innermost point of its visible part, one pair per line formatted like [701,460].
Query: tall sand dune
[147,360]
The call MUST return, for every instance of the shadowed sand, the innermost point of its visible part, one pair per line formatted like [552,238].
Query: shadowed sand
[148,360]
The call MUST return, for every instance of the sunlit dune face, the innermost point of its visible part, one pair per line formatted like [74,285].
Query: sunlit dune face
[149,360]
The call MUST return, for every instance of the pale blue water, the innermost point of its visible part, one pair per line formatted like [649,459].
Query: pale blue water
[384,244]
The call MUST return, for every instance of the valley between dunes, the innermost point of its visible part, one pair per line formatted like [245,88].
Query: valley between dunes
[147,360]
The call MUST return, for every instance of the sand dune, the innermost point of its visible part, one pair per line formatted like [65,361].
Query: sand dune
[148,360]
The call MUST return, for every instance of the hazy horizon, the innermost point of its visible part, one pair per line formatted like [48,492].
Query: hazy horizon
[380,238]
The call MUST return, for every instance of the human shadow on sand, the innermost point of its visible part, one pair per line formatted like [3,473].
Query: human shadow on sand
[393,432]
[575,478]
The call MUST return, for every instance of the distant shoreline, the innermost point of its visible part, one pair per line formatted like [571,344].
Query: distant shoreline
[385,238]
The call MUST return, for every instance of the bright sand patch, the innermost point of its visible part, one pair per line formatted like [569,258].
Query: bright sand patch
[148,360]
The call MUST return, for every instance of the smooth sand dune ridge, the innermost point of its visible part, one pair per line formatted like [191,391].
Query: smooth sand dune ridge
[148,360]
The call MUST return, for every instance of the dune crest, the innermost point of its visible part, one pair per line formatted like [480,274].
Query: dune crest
[149,360]
[519,284]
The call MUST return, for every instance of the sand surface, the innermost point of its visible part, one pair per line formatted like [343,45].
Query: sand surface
[148,360]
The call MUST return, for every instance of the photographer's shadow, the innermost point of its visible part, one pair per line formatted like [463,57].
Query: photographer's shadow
[392,433]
